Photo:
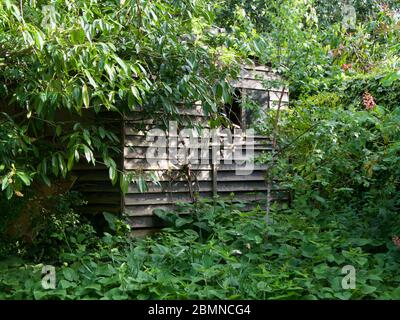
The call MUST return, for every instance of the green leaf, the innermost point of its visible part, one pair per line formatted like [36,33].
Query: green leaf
[46,180]
[4,183]
[141,183]
[70,274]
[111,219]
[9,192]
[65,284]
[71,158]
[136,94]
[91,80]
[54,165]
[61,163]
[88,153]
[367,289]
[102,132]
[85,95]
[86,137]
[58,130]
[113,174]
[122,64]
[38,36]
[24,177]
[110,72]
[124,183]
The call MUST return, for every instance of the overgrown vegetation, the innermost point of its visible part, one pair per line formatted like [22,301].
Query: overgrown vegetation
[338,148]
[219,252]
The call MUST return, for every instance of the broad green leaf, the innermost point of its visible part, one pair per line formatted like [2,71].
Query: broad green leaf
[85,95]
[24,177]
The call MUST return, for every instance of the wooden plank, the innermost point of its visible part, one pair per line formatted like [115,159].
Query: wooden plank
[275,104]
[134,164]
[230,176]
[140,129]
[157,199]
[243,186]
[254,85]
[163,175]
[146,141]
[146,210]
[140,152]
[258,67]
[133,152]
[276,95]
[160,198]
[255,197]
[224,156]
[174,186]
[256,181]
[142,164]
[162,141]
[258,74]
[195,143]
[204,186]
[154,153]
[204,133]
[176,175]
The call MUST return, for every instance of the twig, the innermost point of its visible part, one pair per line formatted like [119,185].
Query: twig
[21,8]
[139,13]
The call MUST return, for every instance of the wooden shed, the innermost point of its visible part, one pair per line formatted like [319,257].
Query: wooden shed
[180,178]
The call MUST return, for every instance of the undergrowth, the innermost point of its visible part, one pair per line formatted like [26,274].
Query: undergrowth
[218,251]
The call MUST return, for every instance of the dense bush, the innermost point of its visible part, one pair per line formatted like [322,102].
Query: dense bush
[219,251]
[40,230]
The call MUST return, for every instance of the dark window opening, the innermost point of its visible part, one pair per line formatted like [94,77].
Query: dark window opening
[233,111]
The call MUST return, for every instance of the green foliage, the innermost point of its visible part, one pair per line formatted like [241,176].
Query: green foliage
[339,158]
[306,41]
[338,146]
[57,229]
[218,251]
[64,60]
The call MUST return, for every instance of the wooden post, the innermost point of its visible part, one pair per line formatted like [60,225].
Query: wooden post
[214,180]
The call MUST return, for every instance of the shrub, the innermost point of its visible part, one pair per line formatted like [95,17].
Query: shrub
[42,230]
[217,251]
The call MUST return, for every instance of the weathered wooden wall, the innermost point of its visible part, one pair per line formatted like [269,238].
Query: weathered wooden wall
[205,180]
